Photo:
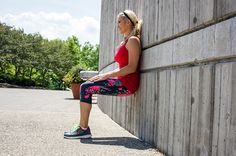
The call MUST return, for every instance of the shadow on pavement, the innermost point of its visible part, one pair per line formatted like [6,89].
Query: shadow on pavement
[70,99]
[127,142]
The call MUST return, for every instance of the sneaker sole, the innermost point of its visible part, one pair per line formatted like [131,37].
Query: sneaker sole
[78,137]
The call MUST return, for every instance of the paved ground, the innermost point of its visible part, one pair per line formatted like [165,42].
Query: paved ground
[32,122]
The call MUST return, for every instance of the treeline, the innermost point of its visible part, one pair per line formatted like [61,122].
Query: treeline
[31,60]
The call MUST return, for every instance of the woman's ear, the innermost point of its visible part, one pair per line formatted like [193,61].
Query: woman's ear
[128,23]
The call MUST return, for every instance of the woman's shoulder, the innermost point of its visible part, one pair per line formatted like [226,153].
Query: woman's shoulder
[133,40]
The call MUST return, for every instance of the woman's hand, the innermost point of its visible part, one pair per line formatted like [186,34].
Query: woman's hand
[99,77]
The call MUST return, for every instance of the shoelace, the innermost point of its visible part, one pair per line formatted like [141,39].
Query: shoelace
[75,127]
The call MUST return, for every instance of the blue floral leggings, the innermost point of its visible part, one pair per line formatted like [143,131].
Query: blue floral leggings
[105,87]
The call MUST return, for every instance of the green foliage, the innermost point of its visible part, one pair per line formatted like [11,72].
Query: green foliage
[73,76]
[31,60]
[88,57]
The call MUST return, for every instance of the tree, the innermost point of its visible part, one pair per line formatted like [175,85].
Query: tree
[88,56]
[29,59]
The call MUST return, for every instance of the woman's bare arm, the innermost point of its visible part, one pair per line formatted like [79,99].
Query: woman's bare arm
[133,46]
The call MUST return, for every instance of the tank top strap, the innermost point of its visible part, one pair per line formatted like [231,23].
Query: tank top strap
[126,40]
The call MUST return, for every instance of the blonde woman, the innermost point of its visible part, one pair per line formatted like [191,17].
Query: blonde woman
[122,81]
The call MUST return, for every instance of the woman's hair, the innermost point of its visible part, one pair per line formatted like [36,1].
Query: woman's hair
[129,15]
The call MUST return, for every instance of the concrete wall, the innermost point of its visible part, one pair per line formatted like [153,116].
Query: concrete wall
[186,103]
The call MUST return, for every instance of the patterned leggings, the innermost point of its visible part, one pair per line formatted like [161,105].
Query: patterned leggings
[105,87]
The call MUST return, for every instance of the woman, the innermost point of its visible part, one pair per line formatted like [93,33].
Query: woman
[122,81]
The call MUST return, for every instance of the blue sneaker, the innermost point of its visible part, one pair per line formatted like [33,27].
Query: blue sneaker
[78,133]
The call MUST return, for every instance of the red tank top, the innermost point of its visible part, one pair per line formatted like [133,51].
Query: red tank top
[130,81]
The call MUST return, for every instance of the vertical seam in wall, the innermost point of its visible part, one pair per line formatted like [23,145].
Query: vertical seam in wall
[147,130]
[189,17]
[174,109]
[226,108]
[148,16]
[200,96]
[157,100]
[214,85]
[168,80]
[143,121]
[155,114]
[172,50]
[169,105]
[189,26]
[230,36]
[215,10]
[231,99]
[140,116]
[219,109]
[190,111]
[232,91]
[185,114]
[157,27]
[169,110]
[212,107]
[173,13]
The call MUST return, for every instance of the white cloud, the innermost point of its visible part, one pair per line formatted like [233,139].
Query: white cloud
[55,25]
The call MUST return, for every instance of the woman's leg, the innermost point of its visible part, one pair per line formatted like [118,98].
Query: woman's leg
[85,109]
[104,87]
[81,131]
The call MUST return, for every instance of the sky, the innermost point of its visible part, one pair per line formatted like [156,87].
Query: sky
[54,19]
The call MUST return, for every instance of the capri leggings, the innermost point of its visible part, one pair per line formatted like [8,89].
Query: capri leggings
[112,87]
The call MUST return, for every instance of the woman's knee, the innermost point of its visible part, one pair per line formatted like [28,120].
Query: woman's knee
[85,85]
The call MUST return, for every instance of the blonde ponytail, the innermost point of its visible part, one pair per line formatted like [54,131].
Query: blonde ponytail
[137,28]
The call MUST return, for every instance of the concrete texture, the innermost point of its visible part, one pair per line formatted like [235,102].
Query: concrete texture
[32,122]
[213,43]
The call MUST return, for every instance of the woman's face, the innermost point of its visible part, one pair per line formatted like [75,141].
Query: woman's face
[123,26]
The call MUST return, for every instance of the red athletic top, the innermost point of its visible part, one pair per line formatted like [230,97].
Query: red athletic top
[130,81]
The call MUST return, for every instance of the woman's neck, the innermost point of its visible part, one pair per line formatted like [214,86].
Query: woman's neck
[127,35]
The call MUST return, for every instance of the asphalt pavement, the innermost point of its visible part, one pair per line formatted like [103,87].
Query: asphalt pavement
[32,123]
